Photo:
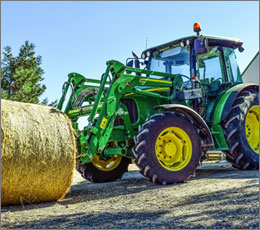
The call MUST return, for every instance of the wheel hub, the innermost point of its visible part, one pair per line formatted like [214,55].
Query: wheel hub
[252,128]
[173,148]
[170,149]
[106,165]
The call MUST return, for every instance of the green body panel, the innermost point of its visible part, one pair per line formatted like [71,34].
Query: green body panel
[221,103]
[216,128]
[217,132]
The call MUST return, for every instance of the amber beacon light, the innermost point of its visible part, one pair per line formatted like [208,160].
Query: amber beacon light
[196,27]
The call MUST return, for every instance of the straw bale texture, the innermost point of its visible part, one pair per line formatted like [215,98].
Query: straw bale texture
[37,153]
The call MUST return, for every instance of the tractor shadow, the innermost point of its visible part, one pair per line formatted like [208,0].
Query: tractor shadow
[133,182]
[223,170]
[82,220]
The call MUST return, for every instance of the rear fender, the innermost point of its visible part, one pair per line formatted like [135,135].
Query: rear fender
[204,130]
[225,103]
[223,109]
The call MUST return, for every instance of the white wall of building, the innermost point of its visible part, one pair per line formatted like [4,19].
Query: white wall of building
[251,73]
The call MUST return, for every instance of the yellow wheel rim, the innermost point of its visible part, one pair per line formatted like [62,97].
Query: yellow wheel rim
[107,165]
[252,128]
[173,148]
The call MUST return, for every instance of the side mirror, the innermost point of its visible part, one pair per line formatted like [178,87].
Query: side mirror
[241,49]
[133,63]
[130,63]
[137,64]
[201,46]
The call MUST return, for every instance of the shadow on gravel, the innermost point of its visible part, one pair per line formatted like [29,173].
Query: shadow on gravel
[225,173]
[230,209]
[100,220]
[227,208]
[133,182]
[128,185]
[14,208]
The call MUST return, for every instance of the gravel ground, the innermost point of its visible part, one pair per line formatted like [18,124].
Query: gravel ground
[219,197]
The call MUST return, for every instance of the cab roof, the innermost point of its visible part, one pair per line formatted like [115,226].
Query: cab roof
[212,41]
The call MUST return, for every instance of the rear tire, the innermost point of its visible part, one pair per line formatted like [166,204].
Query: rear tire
[168,148]
[241,129]
[94,173]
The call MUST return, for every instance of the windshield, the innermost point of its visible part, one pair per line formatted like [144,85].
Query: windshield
[173,61]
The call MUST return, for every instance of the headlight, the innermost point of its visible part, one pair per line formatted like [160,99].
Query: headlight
[182,43]
[143,55]
[148,53]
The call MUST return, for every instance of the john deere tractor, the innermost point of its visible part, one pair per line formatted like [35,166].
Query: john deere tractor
[165,110]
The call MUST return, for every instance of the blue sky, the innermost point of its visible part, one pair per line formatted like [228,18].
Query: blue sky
[82,36]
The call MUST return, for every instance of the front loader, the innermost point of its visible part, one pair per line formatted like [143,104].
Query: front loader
[165,110]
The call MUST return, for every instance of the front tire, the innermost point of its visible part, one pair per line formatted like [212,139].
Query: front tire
[99,171]
[241,129]
[168,148]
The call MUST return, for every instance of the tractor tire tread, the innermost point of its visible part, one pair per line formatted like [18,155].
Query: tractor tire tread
[238,154]
[146,167]
[89,172]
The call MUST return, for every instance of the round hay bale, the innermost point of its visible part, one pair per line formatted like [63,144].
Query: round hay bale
[37,153]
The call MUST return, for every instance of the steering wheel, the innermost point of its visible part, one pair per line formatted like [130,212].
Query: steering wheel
[218,79]
[182,75]
[186,84]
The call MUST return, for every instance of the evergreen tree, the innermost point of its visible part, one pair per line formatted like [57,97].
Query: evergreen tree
[21,75]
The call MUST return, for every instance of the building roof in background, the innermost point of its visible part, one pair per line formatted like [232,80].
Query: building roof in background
[250,63]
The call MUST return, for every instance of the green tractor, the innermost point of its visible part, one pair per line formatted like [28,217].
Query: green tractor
[165,110]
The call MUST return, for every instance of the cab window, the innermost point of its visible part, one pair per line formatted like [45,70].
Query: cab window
[210,65]
[232,66]
[175,60]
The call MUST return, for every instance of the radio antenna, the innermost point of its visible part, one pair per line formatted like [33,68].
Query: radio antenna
[146,42]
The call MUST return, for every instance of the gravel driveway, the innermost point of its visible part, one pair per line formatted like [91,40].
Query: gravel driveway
[219,197]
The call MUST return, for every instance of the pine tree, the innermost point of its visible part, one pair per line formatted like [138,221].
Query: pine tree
[21,75]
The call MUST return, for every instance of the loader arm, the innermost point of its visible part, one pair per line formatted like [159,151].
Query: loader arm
[79,85]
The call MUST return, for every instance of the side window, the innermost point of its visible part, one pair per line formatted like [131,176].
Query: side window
[210,65]
[232,66]
[213,69]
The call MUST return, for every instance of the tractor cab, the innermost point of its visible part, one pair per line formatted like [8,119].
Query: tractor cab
[209,60]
